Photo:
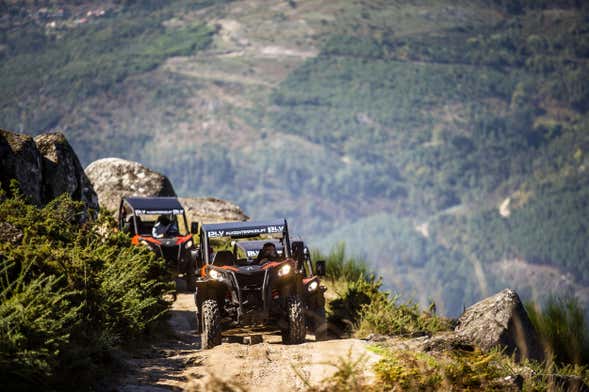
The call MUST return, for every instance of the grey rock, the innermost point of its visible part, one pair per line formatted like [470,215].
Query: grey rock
[20,160]
[114,178]
[510,383]
[45,167]
[10,233]
[62,171]
[500,321]
[211,210]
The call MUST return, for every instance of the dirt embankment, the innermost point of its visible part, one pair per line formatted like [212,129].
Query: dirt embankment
[177,363]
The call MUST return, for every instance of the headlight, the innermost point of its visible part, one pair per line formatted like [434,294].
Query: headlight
[284,270]
[143,242]
[312,286]
[215,274]
[188,243]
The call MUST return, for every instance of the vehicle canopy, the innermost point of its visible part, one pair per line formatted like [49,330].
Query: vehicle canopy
[142,213]
[269,229]
[153,205]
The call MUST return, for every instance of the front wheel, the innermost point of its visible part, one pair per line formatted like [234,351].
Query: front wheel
[295,330]
[211,324]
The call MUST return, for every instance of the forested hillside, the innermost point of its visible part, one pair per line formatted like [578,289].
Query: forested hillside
[399,127]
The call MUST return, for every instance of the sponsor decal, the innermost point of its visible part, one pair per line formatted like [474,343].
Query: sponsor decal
[216,234]
[253,231]
[158,212]
[275,229]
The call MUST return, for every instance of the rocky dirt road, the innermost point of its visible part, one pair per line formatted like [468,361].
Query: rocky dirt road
[177,363]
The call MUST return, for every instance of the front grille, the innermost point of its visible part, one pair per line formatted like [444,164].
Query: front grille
[250,281]
[170,253]
[250,286]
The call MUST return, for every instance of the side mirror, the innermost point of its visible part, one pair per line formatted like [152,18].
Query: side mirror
[298,251]
[194,228]
[320,268]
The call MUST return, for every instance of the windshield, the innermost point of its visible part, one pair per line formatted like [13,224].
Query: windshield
[250,250]
[259,249]
[161,226]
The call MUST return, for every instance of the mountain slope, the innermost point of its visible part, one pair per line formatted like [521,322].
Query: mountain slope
[388,116]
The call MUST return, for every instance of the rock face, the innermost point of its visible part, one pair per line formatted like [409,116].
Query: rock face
[500,321]
[20,160]
[114,178]
[62,171]
[45,168]
[211,210]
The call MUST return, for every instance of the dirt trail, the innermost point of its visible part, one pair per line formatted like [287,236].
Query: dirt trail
[177,363]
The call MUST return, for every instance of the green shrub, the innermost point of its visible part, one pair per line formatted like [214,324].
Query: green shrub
[563,330]
[70,294]
[454,370]
[386,315]
[36,319]
[345,310]
[365,309]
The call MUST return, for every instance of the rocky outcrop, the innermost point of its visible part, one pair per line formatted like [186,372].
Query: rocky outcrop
[115,178]
[45,167]
[497,321]
[62,172]
[500,321]
[211,210]
[20,159]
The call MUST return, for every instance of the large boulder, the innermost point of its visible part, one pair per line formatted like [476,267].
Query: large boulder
[500,321]
[45,167]
[115,178]
[62,172]
[211,210]
[20,160]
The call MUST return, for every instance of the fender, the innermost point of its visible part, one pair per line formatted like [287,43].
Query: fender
[207,289]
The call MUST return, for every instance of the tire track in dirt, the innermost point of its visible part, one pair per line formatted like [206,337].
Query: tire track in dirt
[178,363]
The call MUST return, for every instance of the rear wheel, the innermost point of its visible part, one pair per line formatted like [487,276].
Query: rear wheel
[190,277]
[211,324]
[319,324]
[295,331]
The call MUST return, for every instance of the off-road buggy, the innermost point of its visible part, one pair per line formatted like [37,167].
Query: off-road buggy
[138,216]
[313,295]
[235,290]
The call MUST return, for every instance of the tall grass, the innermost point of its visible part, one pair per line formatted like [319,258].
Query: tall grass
[563,329]
[340,265]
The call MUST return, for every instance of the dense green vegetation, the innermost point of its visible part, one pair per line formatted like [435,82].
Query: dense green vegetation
[407,260]
[411,115]
[467,370]
[69,294]
[447,121]
[563,329]
[89,59]
[362,307]
[547,229]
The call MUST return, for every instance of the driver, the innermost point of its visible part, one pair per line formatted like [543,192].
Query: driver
[267,253]
[165,225]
